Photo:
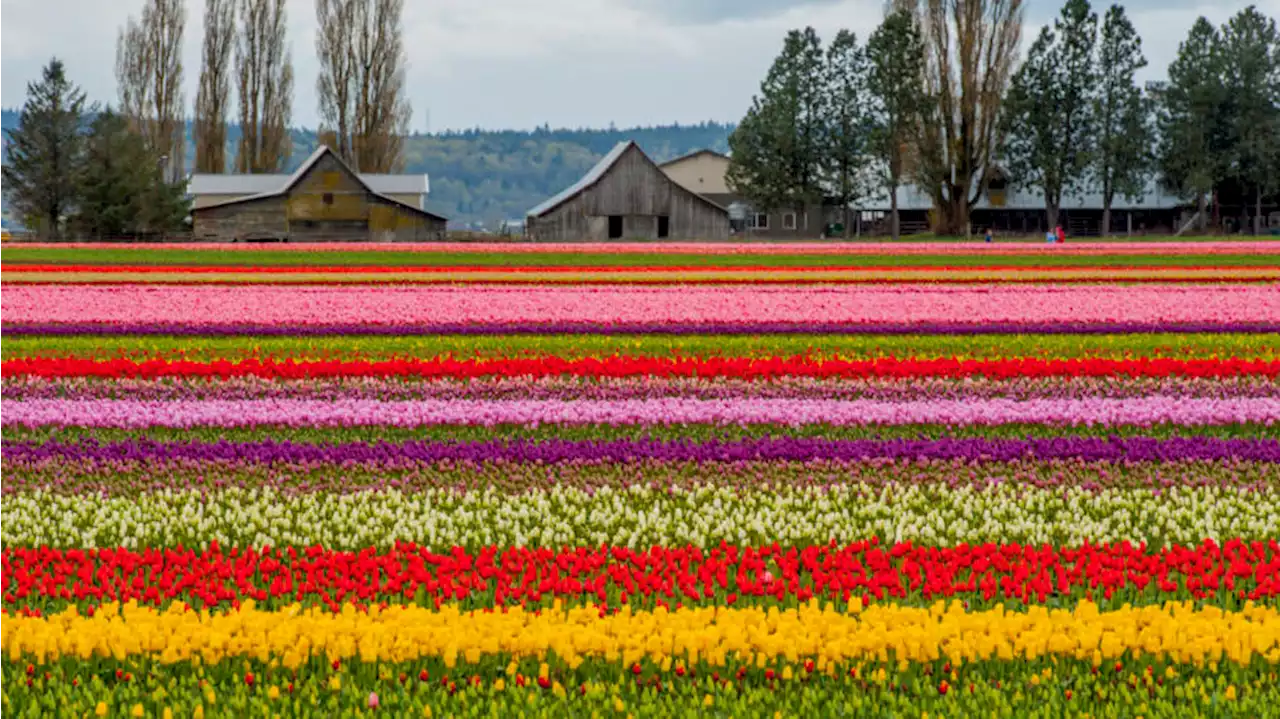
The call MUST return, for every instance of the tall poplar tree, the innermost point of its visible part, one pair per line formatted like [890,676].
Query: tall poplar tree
[264,75]
[971,48]
[363,104]
[214,96]
[149,80]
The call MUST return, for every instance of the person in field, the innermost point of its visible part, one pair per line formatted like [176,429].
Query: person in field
[1061,234]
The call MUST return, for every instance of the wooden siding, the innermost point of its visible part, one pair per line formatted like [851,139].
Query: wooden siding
[231,222]
[639,192]
[328,204]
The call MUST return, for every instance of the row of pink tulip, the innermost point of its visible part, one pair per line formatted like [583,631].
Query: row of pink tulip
[1143,411]
[614,304]
[728,248]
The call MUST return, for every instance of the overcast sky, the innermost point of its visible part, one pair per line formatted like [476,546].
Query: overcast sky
[520,63]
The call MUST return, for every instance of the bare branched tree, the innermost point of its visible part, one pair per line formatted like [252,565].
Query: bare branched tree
[363,104]
[265,76]
[149,75]
[971,48]
[335,84]
[215,86]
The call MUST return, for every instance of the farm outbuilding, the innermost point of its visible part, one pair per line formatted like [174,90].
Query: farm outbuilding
[626,197]
[324,200]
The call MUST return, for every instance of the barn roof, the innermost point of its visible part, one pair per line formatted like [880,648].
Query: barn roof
[592,177]
[691,155]
[260,187]
[222,184]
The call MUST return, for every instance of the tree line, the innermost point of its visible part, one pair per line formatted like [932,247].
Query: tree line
[936,99]
[62,172]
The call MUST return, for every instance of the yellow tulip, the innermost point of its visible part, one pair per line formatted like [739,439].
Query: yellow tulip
[100,709]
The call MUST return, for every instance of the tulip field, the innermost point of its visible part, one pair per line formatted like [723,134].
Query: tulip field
[738,480]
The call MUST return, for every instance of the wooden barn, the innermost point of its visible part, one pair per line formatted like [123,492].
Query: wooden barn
[626,197]
[322,201]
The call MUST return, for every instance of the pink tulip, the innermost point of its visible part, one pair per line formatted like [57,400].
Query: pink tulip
[310,305]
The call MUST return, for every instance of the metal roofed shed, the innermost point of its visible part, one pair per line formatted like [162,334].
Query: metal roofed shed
[626,196]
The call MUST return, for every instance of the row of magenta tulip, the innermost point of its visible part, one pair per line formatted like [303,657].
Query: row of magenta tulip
[757,368]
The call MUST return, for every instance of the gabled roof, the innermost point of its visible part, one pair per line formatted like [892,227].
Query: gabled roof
[695,153]
[276,185]
[241,185]
[593,176]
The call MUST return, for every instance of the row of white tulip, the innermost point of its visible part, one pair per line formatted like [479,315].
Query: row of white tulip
[705,515]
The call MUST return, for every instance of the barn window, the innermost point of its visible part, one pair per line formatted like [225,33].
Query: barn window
[758,221]
[615,227]
[788,220]
[327,198]
[664,226]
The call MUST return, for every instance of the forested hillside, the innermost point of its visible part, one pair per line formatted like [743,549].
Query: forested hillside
[487,176]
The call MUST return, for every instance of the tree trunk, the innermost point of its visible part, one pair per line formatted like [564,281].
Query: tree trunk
[953,213]
[1257,210]
[846,222]
[893,211]
[1201,207]
[1050,212]
[1106,214]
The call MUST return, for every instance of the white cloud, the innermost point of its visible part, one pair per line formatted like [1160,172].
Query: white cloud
[515,63]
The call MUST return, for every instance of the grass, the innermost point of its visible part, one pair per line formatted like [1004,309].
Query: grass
[14,257]
[1206,345]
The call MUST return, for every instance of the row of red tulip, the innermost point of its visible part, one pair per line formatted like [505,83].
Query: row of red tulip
[45,577]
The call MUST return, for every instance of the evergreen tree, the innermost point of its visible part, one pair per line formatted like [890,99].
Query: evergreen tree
[896,85]
[1191,119]
[122,185]
[1049,109]
[1124,133]
[777,150]
[44,151]
[848,122]
[114,178]
[1250,63]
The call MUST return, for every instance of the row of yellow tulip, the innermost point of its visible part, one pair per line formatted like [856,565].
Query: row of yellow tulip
[827,636]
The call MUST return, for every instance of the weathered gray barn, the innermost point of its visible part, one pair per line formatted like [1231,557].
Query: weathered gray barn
[626,196]
[322,201]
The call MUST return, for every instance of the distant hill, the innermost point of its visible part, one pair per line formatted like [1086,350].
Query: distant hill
[482,177]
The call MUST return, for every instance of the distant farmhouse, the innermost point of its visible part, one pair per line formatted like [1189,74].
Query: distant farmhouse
[1021,211]
[323,200]
[627,196]
[704,172]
